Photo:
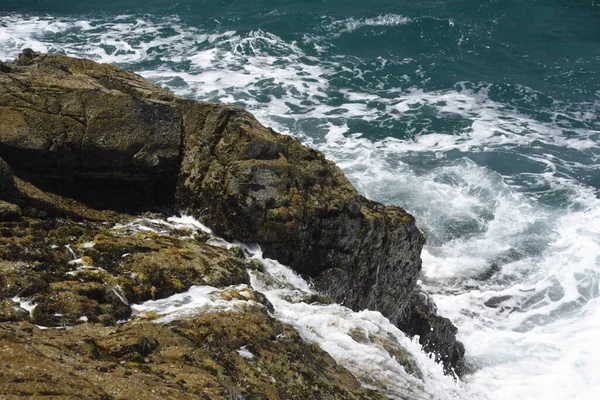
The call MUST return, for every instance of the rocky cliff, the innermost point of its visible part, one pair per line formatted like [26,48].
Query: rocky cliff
[81,137]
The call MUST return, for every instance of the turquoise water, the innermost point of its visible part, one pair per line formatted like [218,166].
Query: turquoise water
[480,117]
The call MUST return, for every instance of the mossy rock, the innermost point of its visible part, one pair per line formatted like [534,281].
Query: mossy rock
[196,358]
[317,298]
[70,303]
[10,311]
[113,269]
[19,279]
[149,266]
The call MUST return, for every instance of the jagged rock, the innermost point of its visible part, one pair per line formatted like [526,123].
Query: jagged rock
[496,301]
[26,56]
[436,334]
[252,184]
[109,139]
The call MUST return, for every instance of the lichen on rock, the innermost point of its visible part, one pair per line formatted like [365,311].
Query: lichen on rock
[196,358]
[89,145]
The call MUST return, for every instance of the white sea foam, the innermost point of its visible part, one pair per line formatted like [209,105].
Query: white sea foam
[25,304]
[196,300]
[338,330]
[244,352]
[364,342]
[535,343]
[338,27]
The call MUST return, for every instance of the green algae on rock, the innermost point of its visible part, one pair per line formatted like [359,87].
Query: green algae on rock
[36,260]
[193,357]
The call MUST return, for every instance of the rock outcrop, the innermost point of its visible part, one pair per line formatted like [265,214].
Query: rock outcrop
[436,334]
[91,131]
[195,357]
[254,185]
[109,139]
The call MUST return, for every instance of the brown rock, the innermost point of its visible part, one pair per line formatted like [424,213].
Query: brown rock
[195,359]
[112,134]
[108,138]
[9,211]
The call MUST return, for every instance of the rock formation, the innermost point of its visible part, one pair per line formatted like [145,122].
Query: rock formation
[108,139]
[96,358]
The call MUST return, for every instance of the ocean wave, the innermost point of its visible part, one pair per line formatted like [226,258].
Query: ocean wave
[348,25]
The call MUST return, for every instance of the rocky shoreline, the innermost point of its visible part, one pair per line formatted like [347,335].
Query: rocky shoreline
[87,146]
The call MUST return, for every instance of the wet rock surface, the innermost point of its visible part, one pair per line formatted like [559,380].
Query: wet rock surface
[194,359]
[436,334]
[85,141]
[80,279]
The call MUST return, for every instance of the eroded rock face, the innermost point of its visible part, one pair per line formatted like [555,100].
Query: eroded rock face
[89,130]
[110,139]
[252,184]
[436,334]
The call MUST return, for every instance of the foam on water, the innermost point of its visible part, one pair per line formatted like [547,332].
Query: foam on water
[539,332]
[517,274]
[365,342]
[339,27]
[196,300]
[525,241]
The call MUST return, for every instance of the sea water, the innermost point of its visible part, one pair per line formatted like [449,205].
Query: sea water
[481,118]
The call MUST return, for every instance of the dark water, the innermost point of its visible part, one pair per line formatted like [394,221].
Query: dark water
[480,117]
